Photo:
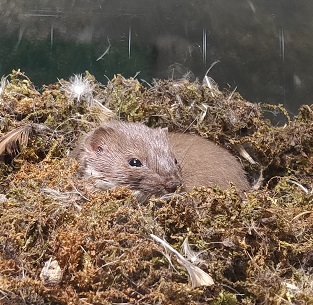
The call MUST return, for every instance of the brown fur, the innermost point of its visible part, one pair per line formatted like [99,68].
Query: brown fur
[204,163]
[106,151]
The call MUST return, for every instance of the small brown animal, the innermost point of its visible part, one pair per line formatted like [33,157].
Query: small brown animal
[144,159]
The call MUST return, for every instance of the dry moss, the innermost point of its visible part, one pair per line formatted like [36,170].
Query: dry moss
[258,248]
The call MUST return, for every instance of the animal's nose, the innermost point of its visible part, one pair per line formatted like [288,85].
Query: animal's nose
[172,186]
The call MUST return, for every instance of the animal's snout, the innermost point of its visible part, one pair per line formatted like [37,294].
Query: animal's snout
[172,186]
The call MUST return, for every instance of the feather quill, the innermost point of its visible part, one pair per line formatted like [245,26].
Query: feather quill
[197,276]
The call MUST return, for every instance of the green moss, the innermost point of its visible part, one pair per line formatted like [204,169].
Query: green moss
[252,245]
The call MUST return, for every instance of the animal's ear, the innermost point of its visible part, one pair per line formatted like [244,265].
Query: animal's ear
[98,138]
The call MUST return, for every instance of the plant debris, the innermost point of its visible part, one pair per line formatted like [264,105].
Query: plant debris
[63,242]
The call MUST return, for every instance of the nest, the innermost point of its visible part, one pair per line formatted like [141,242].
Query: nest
[62,242]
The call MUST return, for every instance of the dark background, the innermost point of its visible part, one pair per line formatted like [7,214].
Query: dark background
[264,48]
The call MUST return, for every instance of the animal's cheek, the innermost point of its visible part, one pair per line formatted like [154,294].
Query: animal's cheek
[152,181]
[133,176]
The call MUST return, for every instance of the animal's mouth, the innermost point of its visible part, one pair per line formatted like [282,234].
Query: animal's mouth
[172,186]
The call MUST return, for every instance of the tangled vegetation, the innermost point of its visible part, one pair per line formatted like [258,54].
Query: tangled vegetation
[63,242]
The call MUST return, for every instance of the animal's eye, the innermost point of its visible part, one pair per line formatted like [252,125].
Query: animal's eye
[99,149]
[175,161]
[135,162]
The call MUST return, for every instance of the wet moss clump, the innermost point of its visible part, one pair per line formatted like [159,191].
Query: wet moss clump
[63,242]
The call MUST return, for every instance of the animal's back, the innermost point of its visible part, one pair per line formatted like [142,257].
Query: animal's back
[204,163]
